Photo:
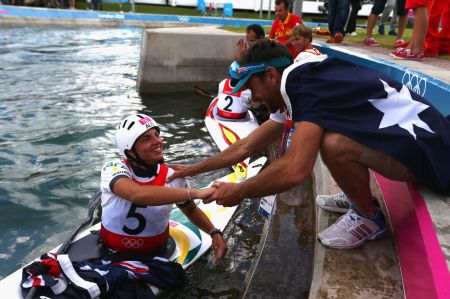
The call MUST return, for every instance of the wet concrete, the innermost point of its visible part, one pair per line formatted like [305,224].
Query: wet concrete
[284,265]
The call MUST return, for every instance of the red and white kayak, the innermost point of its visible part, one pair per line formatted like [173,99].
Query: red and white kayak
[226,131]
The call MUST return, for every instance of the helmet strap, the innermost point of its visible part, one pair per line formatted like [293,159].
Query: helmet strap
[140,167]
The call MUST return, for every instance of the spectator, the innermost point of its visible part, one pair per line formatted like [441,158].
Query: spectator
[283,24]
[96,5]
[254,32]
[301,40]
[355,6]
[438,43]
[337,16]
[389,8]
[415,49]
[377,9]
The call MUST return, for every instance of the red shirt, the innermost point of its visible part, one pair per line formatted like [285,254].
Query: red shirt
[281,31]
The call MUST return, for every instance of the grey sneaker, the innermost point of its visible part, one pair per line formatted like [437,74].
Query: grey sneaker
[335,203]
[352,230]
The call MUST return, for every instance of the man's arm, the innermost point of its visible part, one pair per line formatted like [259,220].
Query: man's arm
[292,169]
[259,139]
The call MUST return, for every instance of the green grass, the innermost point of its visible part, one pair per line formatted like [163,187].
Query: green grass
[386,41]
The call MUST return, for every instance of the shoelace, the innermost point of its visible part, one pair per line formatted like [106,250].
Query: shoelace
[340,196]
[349,221]
[341,200]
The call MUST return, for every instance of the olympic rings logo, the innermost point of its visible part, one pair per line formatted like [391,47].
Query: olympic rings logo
[415,83]
[184,19]
[132,243]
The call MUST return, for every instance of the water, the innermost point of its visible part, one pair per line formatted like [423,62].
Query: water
[62,93]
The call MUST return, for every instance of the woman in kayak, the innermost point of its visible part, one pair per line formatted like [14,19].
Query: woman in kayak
[137,199]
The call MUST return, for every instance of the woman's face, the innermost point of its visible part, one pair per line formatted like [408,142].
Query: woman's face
[300,43]
[149,146]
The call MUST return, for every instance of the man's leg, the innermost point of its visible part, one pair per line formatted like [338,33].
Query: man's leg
[332,5]
[371,21]
[341,155]
[385,15]
[377,8]
[436,9]
[419,30]
[349,163]
[393,24]
[351,23]
[444,35]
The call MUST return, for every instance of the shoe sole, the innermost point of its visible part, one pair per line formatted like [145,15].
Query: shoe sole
[375,236]
[392,55]
[404,58]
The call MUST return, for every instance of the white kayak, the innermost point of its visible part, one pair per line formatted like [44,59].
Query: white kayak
[190,242]
[225,132]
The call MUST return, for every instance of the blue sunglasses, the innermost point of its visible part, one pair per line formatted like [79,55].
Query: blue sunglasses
[238,72]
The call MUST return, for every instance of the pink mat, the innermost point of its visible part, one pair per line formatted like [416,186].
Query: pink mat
[422,263]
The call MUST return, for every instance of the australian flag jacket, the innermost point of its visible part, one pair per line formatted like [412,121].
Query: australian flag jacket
[372,109]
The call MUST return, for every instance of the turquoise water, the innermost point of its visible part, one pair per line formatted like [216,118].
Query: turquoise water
[62,93]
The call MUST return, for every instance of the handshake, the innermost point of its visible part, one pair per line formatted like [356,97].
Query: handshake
[225,194]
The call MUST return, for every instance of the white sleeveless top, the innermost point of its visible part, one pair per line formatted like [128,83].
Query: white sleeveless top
[120,216]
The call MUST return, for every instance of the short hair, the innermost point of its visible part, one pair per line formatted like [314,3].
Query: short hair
[257,29]
[302,30]
[286,3]
[265,50]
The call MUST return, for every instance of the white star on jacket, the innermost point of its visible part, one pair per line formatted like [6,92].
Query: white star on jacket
[400,109]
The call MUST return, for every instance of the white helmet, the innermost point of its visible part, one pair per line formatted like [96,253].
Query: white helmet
[131,128]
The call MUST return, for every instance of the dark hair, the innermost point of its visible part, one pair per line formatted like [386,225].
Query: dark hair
[285,2]
[264,50]
[257,29]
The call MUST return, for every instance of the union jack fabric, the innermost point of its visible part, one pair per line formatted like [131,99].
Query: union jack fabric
[101,277]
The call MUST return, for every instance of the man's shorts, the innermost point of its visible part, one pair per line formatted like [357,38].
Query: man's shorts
[416,3]
[378,7]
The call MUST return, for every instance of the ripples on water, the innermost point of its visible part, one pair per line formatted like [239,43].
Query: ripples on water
[62,93]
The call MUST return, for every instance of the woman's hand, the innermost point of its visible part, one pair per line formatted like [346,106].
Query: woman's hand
[219,246]
[202,193]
